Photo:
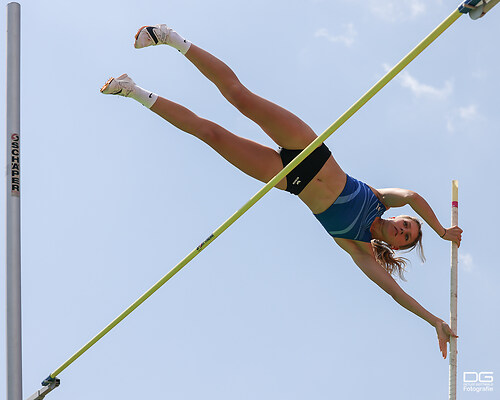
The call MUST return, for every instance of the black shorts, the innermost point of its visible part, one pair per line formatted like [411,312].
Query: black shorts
[303,173]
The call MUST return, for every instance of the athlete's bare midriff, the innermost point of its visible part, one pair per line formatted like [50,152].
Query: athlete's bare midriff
[325,187]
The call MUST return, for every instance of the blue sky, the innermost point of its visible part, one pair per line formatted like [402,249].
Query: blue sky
[113,197]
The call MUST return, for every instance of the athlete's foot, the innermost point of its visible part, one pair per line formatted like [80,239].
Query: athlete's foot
[152,36]
[160,34]
[123,86]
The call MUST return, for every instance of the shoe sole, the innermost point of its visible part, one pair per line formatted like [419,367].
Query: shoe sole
[139,31]
[106,85]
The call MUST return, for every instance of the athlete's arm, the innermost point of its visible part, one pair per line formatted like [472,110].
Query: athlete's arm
[399,197]
[373,270]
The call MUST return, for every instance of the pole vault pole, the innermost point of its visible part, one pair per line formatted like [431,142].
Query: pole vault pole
[453,295]
[13,205]
[308,150]
[465,7]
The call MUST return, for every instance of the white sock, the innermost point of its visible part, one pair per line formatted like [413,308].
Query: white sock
[145,97]
[178,42]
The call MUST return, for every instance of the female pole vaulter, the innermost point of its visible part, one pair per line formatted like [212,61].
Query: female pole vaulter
[350,210]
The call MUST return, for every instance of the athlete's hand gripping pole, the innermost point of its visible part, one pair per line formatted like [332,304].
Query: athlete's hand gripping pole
[282,174]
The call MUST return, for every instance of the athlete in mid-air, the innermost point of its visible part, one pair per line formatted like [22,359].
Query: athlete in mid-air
[348,209]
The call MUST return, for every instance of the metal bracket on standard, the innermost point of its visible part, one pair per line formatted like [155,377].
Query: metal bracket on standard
[477,8]
[49,385]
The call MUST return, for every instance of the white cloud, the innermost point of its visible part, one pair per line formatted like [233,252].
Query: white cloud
[462,115]
[416,8]
[421,89]
[466,262]
[468,113]
[346,38]
[393,11]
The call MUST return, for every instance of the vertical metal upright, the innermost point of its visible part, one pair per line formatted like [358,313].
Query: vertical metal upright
[13,203]
[453,295]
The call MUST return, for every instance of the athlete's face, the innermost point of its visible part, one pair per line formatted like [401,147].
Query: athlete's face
[401,231]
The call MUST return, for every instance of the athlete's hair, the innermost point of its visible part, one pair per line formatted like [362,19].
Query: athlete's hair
[385,256]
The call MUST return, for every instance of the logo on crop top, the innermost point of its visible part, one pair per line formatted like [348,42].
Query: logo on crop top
[296,181]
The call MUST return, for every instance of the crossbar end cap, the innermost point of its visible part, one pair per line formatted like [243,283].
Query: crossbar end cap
[476,13]
[51,381]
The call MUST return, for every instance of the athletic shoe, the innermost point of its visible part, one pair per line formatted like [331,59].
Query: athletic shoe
[151,36]
[122,86]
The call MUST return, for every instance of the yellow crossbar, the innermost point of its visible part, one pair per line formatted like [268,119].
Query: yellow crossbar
[308,150]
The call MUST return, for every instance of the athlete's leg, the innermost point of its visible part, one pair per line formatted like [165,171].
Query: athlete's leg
[254,159]
[285,128]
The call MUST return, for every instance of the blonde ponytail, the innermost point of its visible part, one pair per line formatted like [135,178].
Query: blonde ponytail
[386,257]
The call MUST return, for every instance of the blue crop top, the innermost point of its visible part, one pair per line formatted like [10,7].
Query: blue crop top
[352,214]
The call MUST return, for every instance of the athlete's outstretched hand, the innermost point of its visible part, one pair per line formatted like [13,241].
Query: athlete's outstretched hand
[454,234]
[444,333]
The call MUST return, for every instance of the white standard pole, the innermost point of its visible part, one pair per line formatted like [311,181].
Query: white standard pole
[453,294]
[13,217]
